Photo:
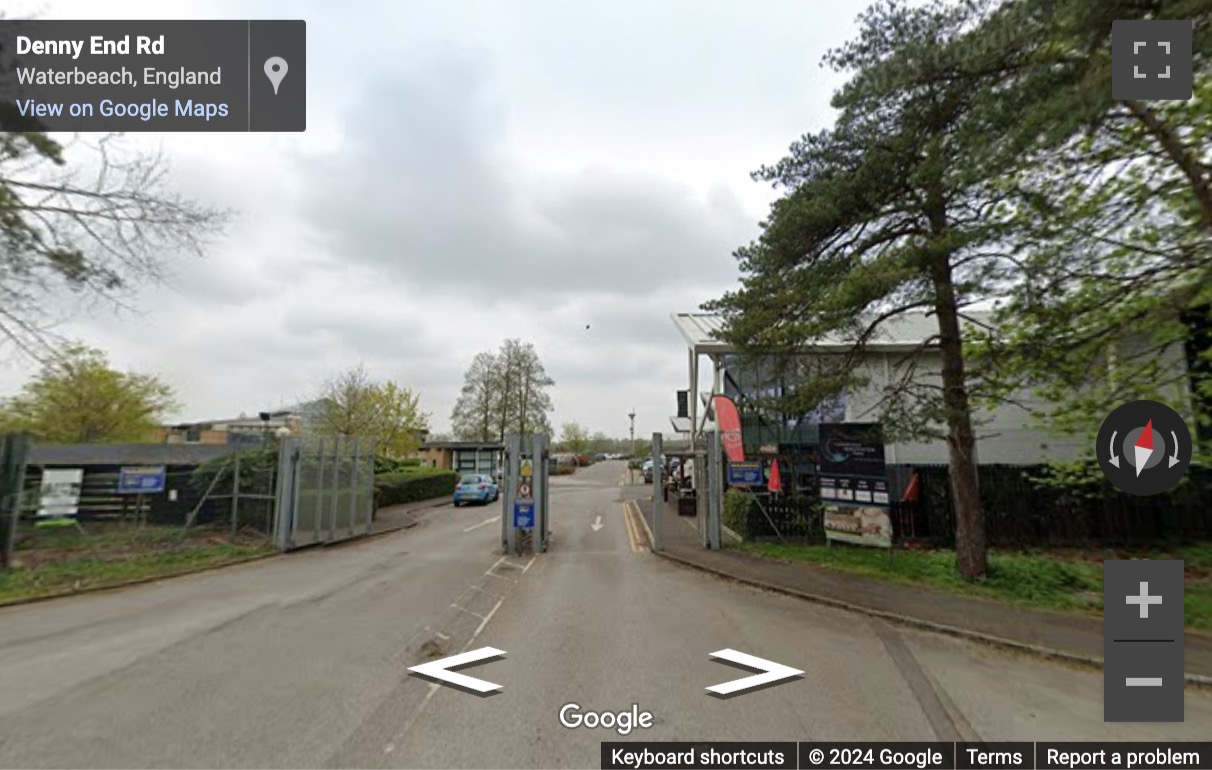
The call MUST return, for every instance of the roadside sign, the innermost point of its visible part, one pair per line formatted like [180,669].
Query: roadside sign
[60,493]
[744,474]
[524,491]
[523,515]
[142,480]
[527,469]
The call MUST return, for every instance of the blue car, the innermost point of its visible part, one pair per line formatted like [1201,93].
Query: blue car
[476,488]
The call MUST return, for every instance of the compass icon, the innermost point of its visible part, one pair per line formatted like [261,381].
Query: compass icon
[1144,448]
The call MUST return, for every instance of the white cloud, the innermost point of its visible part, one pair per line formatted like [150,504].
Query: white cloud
[474,172]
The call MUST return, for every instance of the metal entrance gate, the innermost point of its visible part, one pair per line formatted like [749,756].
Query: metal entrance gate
[326,490]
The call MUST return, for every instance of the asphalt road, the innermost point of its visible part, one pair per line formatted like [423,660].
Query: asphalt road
[301,661]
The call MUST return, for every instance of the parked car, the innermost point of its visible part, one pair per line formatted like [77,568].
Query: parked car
[648,472]
[476,488]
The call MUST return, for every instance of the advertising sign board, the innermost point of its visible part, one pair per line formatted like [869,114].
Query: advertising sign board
[60,494]
[854,484]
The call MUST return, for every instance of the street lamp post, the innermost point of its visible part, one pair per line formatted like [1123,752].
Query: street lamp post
[631,462]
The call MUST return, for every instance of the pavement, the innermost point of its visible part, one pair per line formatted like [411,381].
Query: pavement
[1064,636]
[405,515]
[301,661]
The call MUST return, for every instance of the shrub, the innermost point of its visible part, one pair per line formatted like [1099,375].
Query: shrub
[409,485]
[258,467]
[385,465]
[390,465]
[736,512]
[584,460]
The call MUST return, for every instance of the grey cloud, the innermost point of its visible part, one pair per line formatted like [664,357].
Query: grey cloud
[420,192]
[358,330]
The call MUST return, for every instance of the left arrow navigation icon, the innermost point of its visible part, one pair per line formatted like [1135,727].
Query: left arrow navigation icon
[439,671]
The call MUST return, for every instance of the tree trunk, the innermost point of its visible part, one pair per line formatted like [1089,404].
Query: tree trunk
[970,544]
[504,408]
[525,404]
[1179,154]
[971,550]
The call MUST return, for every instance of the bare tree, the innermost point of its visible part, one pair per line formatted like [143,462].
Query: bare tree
[475,413]
[504,392]
[90,220]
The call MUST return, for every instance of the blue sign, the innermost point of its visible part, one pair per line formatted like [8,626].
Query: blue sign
[745,474]
[523,515]
[142,480]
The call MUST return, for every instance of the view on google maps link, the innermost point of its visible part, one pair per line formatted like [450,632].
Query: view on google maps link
[656,384]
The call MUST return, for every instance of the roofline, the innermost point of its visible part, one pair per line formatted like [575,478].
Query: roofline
[719,347]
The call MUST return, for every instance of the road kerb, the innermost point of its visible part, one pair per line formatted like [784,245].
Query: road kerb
[1194,681]
[635,507]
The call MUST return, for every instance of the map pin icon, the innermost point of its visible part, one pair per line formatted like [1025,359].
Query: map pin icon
[275,70]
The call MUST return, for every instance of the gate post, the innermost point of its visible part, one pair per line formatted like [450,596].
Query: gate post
[513,463]
[542,519]
[658,499]
[371,506]
[13,451]
[285,497]
[715,491]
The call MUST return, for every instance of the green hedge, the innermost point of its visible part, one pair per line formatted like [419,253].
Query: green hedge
[409,485]
[388,465]
[736,512]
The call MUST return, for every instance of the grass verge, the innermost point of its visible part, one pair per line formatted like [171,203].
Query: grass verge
[1067,580]
[55,562]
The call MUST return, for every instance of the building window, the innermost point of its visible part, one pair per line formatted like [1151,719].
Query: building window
[193,436]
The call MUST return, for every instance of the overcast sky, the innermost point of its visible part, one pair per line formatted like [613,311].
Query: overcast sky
[474,171]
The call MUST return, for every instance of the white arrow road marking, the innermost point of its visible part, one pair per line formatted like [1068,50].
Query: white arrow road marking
[1114,457]
[440,669]
[597,524]
[1174,458]
[772,672]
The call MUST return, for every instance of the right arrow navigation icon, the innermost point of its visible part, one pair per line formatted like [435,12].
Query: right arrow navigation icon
[772,673]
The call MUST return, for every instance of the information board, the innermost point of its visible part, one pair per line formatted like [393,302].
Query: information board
[854,484]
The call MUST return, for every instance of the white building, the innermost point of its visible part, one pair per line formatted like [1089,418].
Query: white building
[1007,435]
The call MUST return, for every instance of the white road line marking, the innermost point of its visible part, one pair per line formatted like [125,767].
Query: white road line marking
[532,558]
[482,523]
[484,622]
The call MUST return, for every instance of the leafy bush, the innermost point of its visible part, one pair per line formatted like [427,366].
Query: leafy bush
[258,467]
[584,460]
[388,465]
[409,485]
[736,512]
